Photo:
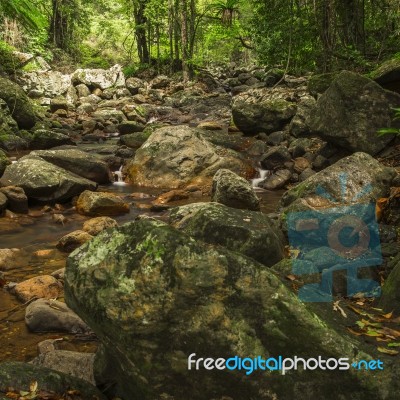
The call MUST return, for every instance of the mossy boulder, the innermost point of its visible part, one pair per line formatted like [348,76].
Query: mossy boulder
[18,103]
[388,75]
[42,139]
[390,299]
[319,83]
[4,161]
[154,295]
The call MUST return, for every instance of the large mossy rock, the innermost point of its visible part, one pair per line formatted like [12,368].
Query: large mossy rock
[154,296]
[19,376]
[351,111]
[259,110]
[44,182]
[18,103]
[248,232]
[346,181]
[390,299]
[388,75]
[176,155]
[4,161]
[78,162]
[42,139]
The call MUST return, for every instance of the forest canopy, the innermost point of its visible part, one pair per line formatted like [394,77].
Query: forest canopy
[300,35]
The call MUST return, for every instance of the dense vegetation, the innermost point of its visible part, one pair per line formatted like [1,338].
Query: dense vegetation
[317,35]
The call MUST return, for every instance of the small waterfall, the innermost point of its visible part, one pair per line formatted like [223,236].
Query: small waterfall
[118,180]
[262,175]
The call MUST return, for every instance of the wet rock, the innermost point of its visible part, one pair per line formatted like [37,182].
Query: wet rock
[275,158]
[175,155]
[299,125]
[46,139]
[188,298]
[128,127]
[259,111]
[19,376]
[78,162]
[99,78]
[320,162]
[43,181]
[18,103]
[351,111]
[3,203]
[233,191]
[73,240]
[277,180]
[134,84]
[45,315]
[96,225]
[41,287]
[17,200]
[8,258]
[388,75]
[100,204]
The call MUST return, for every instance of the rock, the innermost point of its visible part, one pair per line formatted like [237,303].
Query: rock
[320,83]
[320,162]
[128,127]
[87,165]
[82,90]
[19,376]
[72,363]
[58,103]
[7,125]
[101,203]
[388,75]
[18,103]
[248,232]
[351,111]
[258,111]
[275,158]
[154,296]
[96,225]
[73,240]
[3,203]
[300,164]
[299,124]
[277,180]
[44,182]
[46,139]
[41,287]
[210,126]
[97,78]
[17,200]
[134,84]
[8,259]
[308,172]
[357,172]
[45,315]
[175,155]
[46,83]
[4,161]
[276,138]
[233,191]
[107,114]
[160,82]
[390,299]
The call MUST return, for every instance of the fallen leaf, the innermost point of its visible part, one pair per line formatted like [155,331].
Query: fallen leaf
[290,277]
[388,315]
[336,307]
[394,344]
[354,332]
[387,351]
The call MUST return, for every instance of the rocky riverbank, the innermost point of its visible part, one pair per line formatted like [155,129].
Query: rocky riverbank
[202,266]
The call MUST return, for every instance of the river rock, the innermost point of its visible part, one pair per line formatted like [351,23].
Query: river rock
[258,110]
[388,75]
[154,296]
[17,199]
[46,139]
[72,363]
[351,111]
[96,225]
[73,240]
[78,162]
[134,84]
[233,191]
[45,315]
[9,259]
[248,232]
[356,172]
[19,376]
[44,286]
[3,203]
[18,103]
[277,180]
[44,182]
[128,127]
[4,161]
[100,204]
[275,158]
[173,156]
[99,78]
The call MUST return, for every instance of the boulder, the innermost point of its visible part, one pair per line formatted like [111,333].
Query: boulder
[4,161]
[319,83]
[388,75]
[44,315]
[96,225]
[46,139]
[250,233]
[84,164]
[7,125]
[260,111]
[275,158]
[17,199]
[299,124]
[18,103]
[3,203]
[106,114]
[233,191]
[44,182]
[44,286]
[154,296]
[100,204]
[351,111]
[19,376]
[277,180]
[58,103]
[134,84]
[175,155]
[363,178]
[99,78]
[73,240]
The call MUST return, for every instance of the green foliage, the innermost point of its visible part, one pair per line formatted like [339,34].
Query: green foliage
[391,131]
[9,63]
[25,12]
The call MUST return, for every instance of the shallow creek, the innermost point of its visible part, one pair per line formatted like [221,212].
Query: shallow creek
[36,235]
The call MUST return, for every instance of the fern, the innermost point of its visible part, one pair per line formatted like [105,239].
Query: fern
[23,11]
[391,131]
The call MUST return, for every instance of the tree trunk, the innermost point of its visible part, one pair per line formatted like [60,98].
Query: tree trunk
[140,31]
[184,41]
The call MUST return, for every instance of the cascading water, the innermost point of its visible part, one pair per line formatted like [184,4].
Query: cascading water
[118,177]
[262,175]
